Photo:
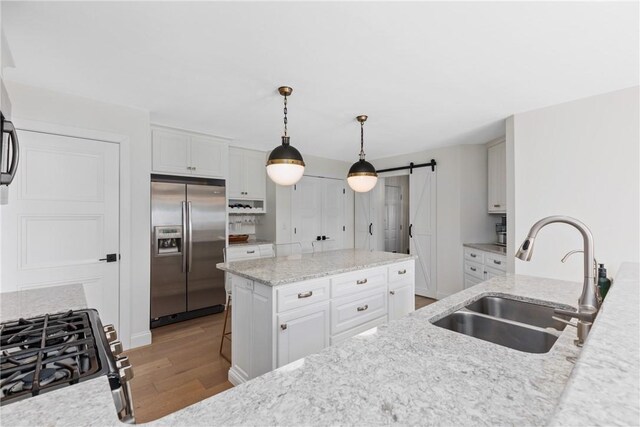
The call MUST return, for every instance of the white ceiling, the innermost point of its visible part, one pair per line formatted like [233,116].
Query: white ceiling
[427,74]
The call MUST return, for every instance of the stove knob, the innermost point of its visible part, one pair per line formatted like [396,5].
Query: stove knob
[122,362]
[126,373]
[116,348]
[109,328]
[112,336]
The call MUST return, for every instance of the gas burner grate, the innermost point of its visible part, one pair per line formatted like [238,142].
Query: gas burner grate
[46,352]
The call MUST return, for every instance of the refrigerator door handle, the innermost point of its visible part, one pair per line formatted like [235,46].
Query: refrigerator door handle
[184,236]
[190,239]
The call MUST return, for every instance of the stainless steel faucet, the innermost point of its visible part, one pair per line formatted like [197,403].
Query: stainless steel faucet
[589,303]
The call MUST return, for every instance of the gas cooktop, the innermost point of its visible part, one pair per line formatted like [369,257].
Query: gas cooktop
[52,351]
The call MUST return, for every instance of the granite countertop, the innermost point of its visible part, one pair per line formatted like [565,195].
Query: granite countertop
[283,270]
[488,247]
[604,388]
[88,403]
[409,372]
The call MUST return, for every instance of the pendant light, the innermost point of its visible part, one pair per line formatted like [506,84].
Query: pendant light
[285,165]
[362,175]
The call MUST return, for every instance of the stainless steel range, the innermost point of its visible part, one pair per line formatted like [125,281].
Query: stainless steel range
[49,352]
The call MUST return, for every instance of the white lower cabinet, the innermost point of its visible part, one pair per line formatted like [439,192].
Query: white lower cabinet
[482,265]
[276,325]
[302,332]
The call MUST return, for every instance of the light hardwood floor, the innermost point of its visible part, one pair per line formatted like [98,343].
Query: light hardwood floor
[183,366]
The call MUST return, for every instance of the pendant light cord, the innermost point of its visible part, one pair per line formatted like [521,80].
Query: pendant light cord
[285,115]
[361,140]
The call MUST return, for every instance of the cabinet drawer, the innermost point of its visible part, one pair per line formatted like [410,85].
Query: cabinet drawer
[499,262]
[302,294]
[243,252]
[335,339]
[349,312]
[400,273]
[470,281]
[358,281]
[474,269]
[474,255]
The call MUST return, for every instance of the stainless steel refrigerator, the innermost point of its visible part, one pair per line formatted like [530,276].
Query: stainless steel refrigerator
[188,234]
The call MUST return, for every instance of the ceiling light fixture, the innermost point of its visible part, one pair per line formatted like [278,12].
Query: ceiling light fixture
[362,175]
[285,165]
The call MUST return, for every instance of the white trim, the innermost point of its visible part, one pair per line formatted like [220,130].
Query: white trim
[125,213]
[234,377]
[141,339]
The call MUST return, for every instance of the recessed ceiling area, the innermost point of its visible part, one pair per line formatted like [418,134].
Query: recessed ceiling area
[428,74]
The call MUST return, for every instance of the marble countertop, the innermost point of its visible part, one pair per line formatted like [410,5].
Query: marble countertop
[283,270]
[409,372]
[488,247]
[604,388]
[88,403]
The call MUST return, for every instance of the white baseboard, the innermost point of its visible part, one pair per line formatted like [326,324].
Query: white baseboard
[235,378]
[140,339]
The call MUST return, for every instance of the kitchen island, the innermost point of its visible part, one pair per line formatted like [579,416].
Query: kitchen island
[286,308]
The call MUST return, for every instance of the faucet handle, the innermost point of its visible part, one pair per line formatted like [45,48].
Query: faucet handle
[568,254]
[585,316]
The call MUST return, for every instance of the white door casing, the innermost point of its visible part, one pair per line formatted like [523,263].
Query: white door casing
[422,228]
[62,217]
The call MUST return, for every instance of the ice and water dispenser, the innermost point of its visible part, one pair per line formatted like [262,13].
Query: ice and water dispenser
[168,240]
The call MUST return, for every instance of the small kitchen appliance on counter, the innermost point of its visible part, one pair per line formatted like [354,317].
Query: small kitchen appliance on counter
[52,351]
[501,232]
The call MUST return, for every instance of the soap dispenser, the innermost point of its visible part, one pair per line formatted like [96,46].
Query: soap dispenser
[603,282]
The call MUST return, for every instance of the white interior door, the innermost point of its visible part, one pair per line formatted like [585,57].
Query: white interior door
[306,212]
[333,214]
[422,229]
[393,207]
[62,218]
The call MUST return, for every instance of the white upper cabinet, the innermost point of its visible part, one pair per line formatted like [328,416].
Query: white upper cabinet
[247,174]
[497,173]
[183,153]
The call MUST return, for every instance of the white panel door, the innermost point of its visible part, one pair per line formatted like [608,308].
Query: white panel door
[333,214]
[302,332]
[306,212]
[363,221]
[208,157]
[392,204]
[62,218]
[170,152]
[422,229]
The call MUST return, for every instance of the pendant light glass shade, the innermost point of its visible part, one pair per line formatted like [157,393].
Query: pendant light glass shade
[285,165]
[362,175]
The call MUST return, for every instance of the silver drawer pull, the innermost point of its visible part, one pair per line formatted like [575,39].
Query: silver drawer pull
[472,268]
[402,271]
[472,255]
[251,252]
[497,262]
[361,282]
[305,294]
[496,206]
[363,308]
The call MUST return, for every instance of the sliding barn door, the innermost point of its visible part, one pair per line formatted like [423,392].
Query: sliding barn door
[422,229]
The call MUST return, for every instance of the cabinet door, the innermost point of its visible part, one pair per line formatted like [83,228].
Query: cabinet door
[306,211]
[497,175]
[302,332]
[333,215]
[255,175]
[235,183]
[241,343]
[401,302]
[170,152]
[208,157]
